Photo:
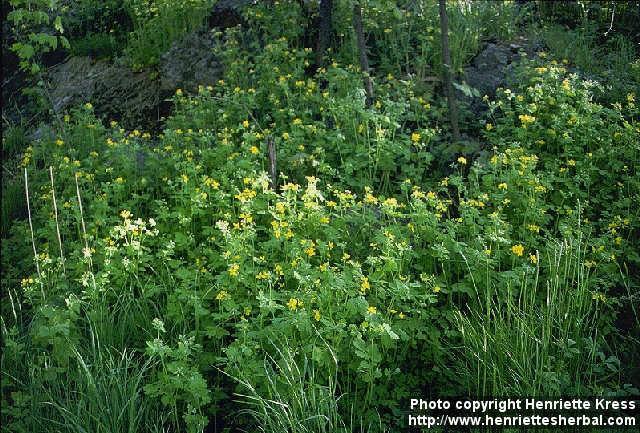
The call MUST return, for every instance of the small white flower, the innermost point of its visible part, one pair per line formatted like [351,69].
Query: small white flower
[223,226]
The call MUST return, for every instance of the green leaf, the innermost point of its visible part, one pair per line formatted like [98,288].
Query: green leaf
[24,51]
[57,24]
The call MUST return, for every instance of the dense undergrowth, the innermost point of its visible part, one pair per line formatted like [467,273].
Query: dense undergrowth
[175,289]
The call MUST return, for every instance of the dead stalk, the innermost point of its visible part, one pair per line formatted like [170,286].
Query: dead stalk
[33,239]
[55,210]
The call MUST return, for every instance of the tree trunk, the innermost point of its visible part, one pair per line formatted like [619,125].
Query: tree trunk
[362,51]
[324,30]
[446,63]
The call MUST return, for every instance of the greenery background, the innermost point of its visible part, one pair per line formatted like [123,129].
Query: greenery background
[173,289]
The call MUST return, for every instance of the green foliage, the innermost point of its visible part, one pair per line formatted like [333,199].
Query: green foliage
[96,45]
[613,60]
[112,381]
[606,17]
[501,333]
[86,17]
[158,23]
[327,301]
[37,29]
[178,380]
[295,401]
[407,36]
[14,140]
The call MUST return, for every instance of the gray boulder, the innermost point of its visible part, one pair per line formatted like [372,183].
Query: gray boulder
[116,91]
[189,63]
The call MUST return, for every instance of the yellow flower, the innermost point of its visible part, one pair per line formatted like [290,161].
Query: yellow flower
[245,123]
[211,182]
[59,142]
[222,295]
[533,228]
[370,198]
[525,119]
[246,195]
[502,186]
[372,310]
[254,150]
[415,137]
[533,258]
[290,187]
[234,269]
[294,303]
[278,269]
[391,202]
[316,315]
[436,289]
[462,160]
[364,284]
[518,250]
[263,275]
[488,126]
[179,92]
[184,178]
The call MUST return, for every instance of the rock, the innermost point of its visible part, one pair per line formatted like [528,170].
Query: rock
[190,62]
[113,88]
[488,70]
[492,68]
[43,132]
[138,99]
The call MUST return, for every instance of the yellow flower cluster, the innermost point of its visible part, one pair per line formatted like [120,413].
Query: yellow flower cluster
[364,284]
[518,250]
[294,304]
[234,269]
[525,119]
[246,195]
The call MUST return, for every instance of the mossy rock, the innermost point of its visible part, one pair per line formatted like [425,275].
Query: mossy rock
[113,88]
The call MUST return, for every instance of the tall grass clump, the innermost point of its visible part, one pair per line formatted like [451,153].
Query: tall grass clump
[541,339]
[104,396]
[295,399]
